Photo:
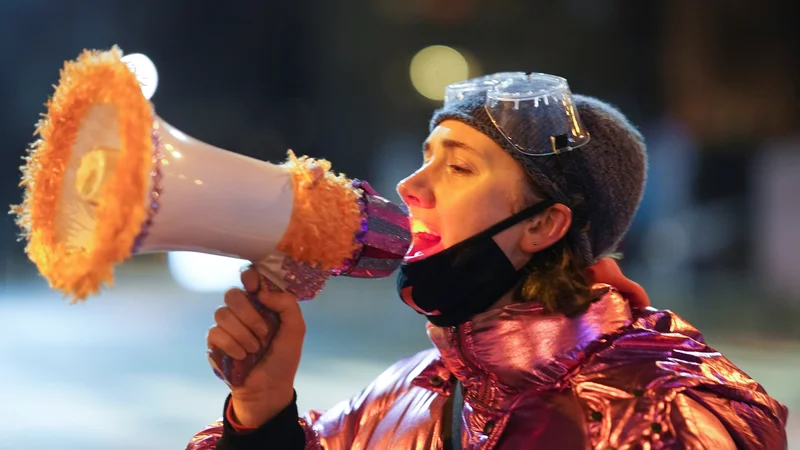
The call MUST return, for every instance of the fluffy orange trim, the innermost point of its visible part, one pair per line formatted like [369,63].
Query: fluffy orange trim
[94,78]
[325,215]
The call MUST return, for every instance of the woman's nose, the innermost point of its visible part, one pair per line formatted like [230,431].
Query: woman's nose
[415,192]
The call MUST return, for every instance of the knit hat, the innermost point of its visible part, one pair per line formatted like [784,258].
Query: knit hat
[610,169]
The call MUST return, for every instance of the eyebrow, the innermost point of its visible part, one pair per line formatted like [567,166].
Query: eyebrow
[451,144]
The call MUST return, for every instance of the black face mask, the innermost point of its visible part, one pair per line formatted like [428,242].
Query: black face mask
[452,286]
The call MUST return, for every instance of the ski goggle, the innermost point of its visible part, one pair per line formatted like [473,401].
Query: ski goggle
[534,112]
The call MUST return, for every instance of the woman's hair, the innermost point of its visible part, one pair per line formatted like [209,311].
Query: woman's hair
[556,278]
[557,281]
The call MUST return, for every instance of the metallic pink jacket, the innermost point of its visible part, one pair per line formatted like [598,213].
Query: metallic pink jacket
[609,379]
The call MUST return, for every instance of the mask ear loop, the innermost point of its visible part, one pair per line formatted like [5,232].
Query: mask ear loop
[509,222]
[570,169]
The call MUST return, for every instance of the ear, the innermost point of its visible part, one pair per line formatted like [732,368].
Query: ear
[546,228]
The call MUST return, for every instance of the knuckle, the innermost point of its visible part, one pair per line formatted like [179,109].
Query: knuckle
[252,344]
[282,301]
[232,294]
[214,336]
[245,312]
[221,314]
[227,344]
[266,298]
[250,279]
[254,322]
[238,302]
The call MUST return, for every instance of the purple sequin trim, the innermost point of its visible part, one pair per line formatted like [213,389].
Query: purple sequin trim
[385,227]
[303,280]
[360,236]
[391,244]
[390,216]
[376,199]
[155,193]
[377,264]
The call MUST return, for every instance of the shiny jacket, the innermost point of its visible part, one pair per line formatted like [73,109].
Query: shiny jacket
[609,379]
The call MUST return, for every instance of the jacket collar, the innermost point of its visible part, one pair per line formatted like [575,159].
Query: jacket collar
[519,347]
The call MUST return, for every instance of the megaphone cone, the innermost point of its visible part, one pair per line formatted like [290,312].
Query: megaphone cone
[108,178]
[75,243]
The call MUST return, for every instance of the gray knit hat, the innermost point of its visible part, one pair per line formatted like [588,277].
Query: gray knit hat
[611,168]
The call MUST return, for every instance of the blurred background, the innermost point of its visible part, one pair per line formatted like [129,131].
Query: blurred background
[712,84]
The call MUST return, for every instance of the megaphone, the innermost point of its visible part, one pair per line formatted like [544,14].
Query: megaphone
[108,179]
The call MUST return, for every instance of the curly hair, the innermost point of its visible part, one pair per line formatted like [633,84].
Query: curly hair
[557,281]
[556,277]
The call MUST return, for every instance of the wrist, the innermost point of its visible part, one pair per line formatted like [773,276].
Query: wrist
[254,412]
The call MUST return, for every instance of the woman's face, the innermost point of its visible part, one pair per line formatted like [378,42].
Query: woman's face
[466,184]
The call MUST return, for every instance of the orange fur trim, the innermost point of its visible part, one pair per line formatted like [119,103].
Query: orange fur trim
[94,78]
[325,215]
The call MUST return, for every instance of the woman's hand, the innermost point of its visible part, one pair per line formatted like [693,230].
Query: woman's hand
[240,329]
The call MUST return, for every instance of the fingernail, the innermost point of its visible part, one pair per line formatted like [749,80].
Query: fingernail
[262,330]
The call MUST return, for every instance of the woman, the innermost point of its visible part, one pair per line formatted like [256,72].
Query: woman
[540,342]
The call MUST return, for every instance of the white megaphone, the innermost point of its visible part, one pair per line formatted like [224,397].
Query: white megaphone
[108,179]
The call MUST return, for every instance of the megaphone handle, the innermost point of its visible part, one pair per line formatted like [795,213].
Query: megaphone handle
[235,371]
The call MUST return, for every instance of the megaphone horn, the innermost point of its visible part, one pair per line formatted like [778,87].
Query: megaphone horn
[108,178]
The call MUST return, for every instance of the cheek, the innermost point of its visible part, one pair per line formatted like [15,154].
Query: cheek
[509,239]
[467,215]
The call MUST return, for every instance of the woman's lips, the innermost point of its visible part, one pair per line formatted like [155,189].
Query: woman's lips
[423,244]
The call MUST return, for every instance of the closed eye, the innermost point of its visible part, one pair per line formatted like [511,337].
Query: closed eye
[460,170]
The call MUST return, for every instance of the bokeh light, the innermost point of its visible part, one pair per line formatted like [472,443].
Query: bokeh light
[434,67]
[199,272]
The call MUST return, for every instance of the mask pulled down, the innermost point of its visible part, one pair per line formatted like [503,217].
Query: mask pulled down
[452,286]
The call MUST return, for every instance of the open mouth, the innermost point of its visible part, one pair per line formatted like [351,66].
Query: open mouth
[425,242]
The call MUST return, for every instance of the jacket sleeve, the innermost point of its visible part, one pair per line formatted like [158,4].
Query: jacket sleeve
[696,427]
[334,429]
[680,424]
[754,419]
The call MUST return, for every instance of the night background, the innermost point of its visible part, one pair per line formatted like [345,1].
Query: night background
[712,85]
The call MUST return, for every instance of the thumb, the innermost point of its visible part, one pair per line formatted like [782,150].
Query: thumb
[607,271]
[251,280]
[286,306]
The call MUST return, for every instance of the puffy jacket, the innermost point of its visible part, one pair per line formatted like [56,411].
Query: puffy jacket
[610,379]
